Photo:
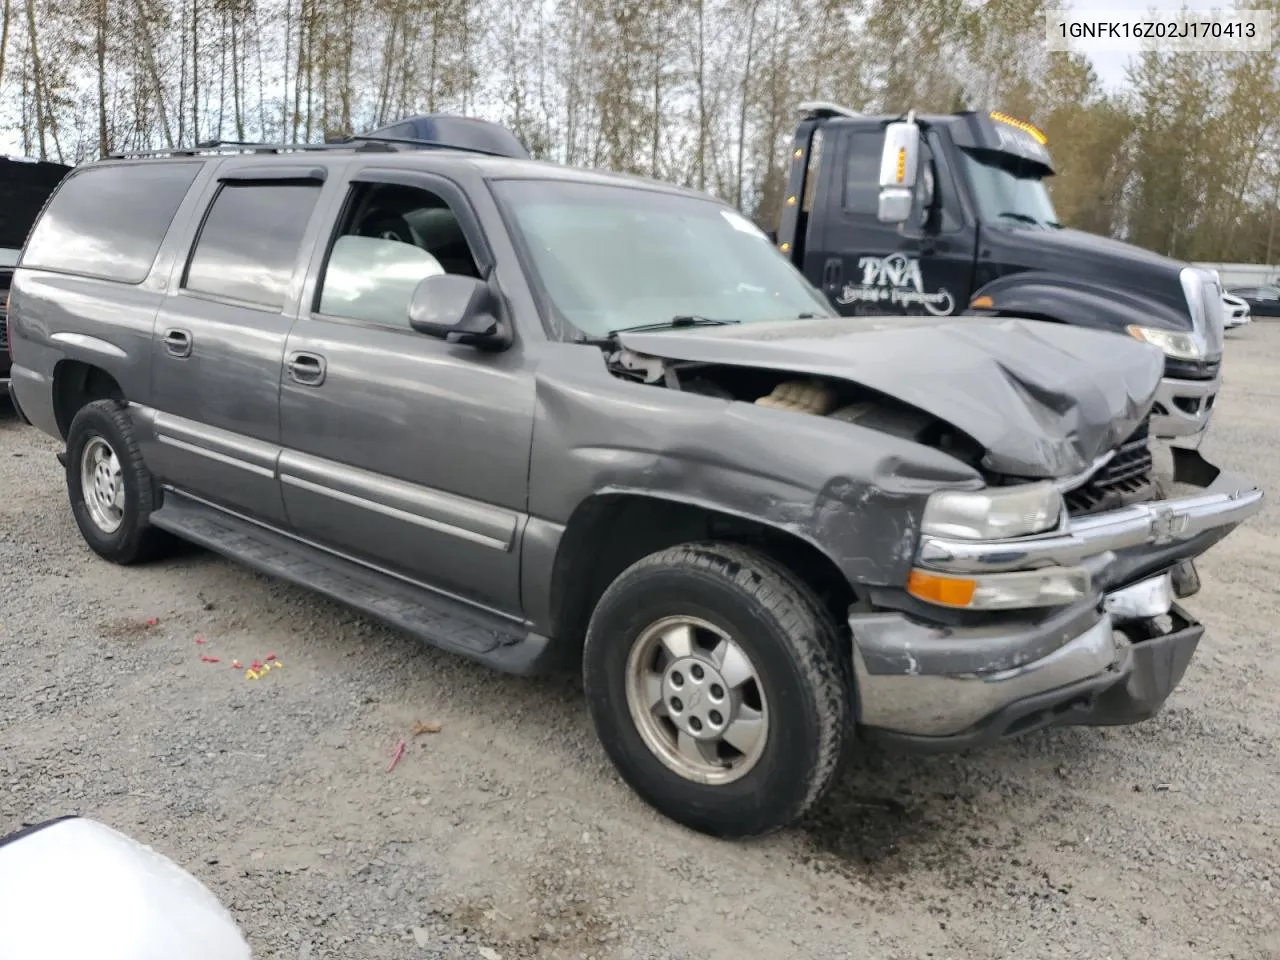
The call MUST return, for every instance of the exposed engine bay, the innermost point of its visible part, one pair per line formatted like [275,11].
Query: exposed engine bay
[1125,477]
[815,396]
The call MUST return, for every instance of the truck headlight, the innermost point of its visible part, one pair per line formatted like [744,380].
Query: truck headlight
[1174,343]
[993,514]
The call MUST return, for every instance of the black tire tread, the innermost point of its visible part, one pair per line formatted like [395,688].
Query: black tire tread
[144,542]
[807,626]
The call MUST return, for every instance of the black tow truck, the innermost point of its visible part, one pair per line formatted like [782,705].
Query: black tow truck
[949,214]
[25,185]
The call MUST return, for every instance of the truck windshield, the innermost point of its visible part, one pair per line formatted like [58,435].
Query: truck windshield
[1009,196]
[611,257]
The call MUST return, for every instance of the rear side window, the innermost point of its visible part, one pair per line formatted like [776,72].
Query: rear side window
[250,241]
[862,172]
[108,222]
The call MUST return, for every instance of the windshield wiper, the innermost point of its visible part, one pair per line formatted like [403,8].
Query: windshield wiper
[682,320]
[1020,217]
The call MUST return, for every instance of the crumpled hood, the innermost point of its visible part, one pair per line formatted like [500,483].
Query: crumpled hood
[1043,399]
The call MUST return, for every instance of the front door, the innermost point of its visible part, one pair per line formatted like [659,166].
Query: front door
[219,339]
[924,266]
[400,450]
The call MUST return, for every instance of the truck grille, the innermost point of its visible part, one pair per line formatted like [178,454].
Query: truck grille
[1125,479]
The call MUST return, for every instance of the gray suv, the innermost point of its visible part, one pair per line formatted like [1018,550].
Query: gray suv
[547,418]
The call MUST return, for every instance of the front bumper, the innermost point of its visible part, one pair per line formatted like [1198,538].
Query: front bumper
[1111,659]
[1183,408]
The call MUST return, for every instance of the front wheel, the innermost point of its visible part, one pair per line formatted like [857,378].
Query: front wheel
[713,680]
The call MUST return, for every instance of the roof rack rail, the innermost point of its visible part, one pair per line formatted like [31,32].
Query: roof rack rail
[358,142]
[427,132]
[825,110]
[371,139]
[213,148]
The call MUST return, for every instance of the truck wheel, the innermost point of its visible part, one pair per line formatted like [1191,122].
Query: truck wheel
[111,490]
[713,679]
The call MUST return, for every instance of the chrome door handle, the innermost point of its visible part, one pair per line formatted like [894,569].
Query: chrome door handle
[177,342]
[306,369]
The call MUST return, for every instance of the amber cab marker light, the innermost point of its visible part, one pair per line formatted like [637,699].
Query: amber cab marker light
[947,591]
[784,247]
[1035,132]
[982,303]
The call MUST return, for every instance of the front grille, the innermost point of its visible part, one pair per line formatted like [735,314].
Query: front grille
[4,330]
[1126,478]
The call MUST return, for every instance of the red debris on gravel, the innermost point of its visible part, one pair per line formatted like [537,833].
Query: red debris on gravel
[395,757]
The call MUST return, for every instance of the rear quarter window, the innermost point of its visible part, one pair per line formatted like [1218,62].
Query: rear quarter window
[108,222]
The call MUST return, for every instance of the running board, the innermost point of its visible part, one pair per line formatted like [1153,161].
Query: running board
[439,620]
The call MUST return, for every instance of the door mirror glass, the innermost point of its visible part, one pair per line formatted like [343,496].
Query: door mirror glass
[458,309]
[76,888]
[899,164]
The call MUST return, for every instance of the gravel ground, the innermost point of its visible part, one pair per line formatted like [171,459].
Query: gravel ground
[505,833]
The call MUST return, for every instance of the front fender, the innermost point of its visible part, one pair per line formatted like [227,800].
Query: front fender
[855,494]
[1038,295]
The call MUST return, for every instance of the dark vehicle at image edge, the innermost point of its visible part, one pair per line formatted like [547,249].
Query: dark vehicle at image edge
[1263,301]
[942,215]
[25,185]
[549,418]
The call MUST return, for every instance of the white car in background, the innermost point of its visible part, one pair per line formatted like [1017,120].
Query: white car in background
[1235,311]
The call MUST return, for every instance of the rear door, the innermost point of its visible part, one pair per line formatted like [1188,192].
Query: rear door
[924,266]
[218,347]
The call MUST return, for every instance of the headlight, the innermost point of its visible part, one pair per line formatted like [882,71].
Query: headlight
[1183,346]
[993,514]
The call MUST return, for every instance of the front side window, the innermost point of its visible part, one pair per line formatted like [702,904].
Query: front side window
[611,257]
[250,241]
[108,222]
[390,239]
[1008,191]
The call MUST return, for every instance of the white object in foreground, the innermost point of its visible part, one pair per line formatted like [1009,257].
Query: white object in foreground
[75,889]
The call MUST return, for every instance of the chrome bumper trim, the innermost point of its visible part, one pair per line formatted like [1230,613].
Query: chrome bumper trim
[925,705]
[1157,523]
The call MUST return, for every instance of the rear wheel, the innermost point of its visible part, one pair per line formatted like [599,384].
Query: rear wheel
[712,676]
[111,491]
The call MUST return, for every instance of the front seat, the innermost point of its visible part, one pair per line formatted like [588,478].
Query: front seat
[386,225]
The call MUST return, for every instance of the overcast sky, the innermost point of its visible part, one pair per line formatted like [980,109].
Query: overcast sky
[1110,64]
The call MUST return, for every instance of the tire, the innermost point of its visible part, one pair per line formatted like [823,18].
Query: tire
[723,593]
[104,426]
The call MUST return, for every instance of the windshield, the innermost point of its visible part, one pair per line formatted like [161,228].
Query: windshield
[611,258]
[1008,195]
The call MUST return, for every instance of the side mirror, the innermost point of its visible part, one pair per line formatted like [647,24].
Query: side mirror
[458,309]
[899,164]
[76,888]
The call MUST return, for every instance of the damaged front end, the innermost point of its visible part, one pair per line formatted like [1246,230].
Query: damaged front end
[1096,636]
[1046,591]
